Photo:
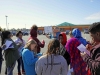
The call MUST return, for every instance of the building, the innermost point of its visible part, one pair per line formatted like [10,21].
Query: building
[68,26]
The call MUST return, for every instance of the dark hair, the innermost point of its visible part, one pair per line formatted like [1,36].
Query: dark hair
[19,32]
[34,27]
[4,36]
[95,27]
[52,46]
[60,35]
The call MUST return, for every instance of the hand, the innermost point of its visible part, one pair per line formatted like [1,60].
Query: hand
[72,73]
[43,41]
[20,43]
[89,47]
[82,54]
[3,46]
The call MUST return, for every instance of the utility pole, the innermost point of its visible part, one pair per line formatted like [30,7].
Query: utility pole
[8,25]
[6,22]
[25,26]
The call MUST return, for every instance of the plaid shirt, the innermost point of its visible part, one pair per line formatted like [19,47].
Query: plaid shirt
[77,63]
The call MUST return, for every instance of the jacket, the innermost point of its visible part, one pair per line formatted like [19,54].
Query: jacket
[77,34]
[29,61]
[11,54]
[17,41]
[57,67]
[40,45]
[93,61]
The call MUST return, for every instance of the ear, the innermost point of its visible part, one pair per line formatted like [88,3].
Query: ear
[98,34]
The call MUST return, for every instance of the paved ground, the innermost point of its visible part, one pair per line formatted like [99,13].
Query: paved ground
[41,37]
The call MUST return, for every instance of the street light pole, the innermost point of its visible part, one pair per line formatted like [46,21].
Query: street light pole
[25,26]
[6,22]
[8,25]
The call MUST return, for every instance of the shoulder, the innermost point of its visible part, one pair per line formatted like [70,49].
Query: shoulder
[26,51]
[42,57]
[61,58]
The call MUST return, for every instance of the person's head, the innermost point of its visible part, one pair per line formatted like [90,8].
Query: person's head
[5,35]
[53,46]
[94,31]
[34,27]
[56,29]
[76,33]
[33,31]
[19,34]
[31,45]
[60,38]
[70,34]
[63,38]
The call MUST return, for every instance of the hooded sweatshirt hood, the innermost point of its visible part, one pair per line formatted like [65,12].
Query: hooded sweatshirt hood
[64,38]
[77,34]
[33,33]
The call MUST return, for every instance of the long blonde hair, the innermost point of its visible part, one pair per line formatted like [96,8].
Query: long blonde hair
[28,44]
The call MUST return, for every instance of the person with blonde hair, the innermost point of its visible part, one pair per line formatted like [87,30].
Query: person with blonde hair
[28,56]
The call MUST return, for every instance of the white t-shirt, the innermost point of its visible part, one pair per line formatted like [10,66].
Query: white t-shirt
[59,67]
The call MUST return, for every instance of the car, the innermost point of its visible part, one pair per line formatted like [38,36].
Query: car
[13,33]
[67,32]
[25,33]
[40,32]
[86,31]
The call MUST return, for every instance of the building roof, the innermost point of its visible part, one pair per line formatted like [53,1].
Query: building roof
[65,24]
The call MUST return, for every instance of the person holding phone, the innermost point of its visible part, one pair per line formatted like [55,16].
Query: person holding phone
[93,61]
[29,57]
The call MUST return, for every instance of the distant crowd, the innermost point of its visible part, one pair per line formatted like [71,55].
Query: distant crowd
[61,58]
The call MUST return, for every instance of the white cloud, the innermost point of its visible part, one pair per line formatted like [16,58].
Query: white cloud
[95,16]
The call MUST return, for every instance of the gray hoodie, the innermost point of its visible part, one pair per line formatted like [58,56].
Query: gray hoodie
[59,65]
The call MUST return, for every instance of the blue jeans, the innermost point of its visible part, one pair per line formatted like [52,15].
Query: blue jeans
[20,64]
[0,66]
[10,69]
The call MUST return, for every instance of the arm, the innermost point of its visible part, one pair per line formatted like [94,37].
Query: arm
[93,64]
[38,68]
[49,37]
[41,44]
[29,58]
[17,43]
[70,51]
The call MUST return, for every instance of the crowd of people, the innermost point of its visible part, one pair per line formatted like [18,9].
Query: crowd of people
[61,58]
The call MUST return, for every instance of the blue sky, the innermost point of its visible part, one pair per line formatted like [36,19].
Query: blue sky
[48,12]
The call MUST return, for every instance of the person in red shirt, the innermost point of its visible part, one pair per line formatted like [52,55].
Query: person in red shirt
[33,35]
